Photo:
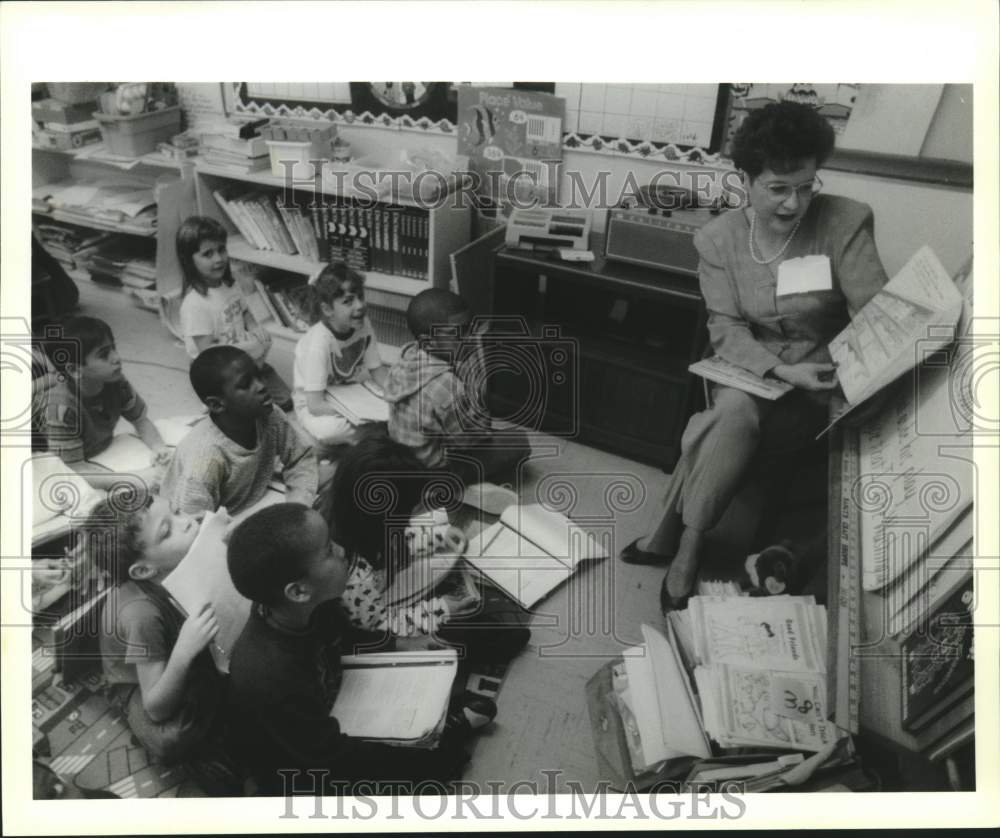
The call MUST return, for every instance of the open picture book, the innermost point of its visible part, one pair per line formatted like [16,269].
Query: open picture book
[914,315]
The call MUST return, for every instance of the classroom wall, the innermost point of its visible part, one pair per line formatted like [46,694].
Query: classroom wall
[907,214]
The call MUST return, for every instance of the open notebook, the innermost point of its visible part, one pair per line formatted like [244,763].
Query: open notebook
[531,551]
[203,577]
[398,698]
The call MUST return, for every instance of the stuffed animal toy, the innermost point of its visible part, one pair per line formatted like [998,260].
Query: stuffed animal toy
[774,570]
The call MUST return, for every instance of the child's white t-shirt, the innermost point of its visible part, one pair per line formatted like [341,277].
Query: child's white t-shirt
[322,359]
[222,313]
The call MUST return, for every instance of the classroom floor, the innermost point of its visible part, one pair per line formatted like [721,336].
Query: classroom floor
[543,724]
[542,733]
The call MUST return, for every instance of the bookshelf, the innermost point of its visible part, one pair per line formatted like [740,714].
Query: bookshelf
[132,243]
[444,229]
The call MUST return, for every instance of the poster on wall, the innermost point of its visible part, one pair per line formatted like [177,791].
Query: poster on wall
[513,139]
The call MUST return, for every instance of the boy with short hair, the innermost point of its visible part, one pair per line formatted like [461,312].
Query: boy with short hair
[78,406]
[285,667]
[159,674]
[436,405]
[228,458]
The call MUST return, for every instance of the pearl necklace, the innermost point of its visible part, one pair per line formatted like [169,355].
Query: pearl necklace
[753,237]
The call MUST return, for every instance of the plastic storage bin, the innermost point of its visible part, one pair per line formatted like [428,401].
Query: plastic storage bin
[297,154]
[133,136]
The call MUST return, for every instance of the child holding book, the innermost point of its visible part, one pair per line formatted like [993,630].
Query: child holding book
[434,390]
[155,661]
[482,624]
[228,458]
[213,309]
[339,348]
[285,669]
[78,407]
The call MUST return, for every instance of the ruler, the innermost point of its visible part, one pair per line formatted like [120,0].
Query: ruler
[843,680]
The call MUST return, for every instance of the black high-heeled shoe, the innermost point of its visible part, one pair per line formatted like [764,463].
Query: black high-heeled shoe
[633,555]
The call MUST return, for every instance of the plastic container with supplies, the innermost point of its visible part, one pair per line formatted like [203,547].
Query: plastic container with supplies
[296,155]
[133,136]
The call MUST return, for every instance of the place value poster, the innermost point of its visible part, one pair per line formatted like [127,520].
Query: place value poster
[513,139]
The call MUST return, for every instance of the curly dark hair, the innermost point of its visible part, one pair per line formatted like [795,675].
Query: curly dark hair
[779,137]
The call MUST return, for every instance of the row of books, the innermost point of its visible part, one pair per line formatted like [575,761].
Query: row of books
[277,303]
[388,239]
[267,225]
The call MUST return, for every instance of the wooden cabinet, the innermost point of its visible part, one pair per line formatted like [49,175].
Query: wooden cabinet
[630,334]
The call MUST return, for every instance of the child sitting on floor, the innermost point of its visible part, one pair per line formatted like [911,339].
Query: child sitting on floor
[159,673]
[285,668]
[228,458]
[79,405]
[340,348]
[433,408]
[486,627]
[214,309]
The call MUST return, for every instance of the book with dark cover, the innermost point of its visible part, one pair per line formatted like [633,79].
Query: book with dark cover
[938,666]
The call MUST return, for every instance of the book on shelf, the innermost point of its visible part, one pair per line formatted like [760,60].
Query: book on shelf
[76,635]
[265,298]
[287,308]
[398,698]
[531,551]
[249,147]
[202,578]
[239,163]
[237,215]
[938,668]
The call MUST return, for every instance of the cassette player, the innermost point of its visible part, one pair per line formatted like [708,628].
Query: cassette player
[655,238]
[544,229]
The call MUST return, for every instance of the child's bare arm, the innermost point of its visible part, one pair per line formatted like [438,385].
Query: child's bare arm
[379,375]
[162,683]
[317,404]
[148,433]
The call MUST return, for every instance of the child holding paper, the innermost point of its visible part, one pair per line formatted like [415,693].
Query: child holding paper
[340,348]
[285,670]
[158,672]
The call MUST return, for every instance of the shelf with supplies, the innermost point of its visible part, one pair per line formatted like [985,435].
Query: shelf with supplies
[98,217]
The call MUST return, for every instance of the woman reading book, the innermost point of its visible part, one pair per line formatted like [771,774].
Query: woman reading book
[770,312]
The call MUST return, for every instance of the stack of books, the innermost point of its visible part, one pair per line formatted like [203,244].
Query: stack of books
[68,244]
[267,224]
[759,669]
[387,238]
[249,154]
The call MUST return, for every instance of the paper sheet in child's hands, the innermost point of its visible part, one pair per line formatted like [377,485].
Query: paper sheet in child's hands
[203,577]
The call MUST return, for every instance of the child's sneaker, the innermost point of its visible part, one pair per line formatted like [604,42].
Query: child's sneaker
[431,533]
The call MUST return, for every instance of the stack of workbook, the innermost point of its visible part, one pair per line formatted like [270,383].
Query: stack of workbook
[760,670]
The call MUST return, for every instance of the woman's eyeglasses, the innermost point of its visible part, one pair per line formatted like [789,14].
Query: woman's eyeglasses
[781,192]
